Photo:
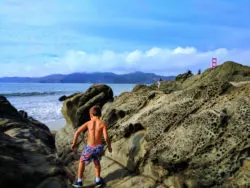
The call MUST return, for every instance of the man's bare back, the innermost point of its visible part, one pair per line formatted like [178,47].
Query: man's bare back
[95,131]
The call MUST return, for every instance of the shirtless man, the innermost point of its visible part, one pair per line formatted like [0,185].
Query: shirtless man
[94,148]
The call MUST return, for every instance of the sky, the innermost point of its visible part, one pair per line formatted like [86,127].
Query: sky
[38,38]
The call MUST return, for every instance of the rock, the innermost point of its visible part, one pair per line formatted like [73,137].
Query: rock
[196,134]
[241,177]
[23,114]
[76,108]
[6,108]
[139,87]
[53,183]
[129,151]
[170,86]
[62,98]
[64,138]
[27,150]
[173,182]
[154,171]
[151,95]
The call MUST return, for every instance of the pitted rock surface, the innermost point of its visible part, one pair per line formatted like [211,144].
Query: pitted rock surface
[193,132]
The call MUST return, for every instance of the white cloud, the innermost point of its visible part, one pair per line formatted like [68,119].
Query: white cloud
[188,50]
[157,60]
[134,57]
[153,52]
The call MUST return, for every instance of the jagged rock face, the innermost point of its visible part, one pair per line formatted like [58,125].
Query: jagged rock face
[76,108]
[27,150]
[16,125]
[76,112]
[198,135]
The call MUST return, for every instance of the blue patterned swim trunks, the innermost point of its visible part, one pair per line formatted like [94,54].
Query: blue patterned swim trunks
[92,153]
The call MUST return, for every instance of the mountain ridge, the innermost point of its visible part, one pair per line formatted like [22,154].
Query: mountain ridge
[96,77]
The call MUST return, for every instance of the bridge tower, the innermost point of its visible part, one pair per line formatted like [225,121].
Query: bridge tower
[214,62]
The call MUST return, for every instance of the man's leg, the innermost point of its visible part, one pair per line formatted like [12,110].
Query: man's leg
[97,168]
[81,169]
[81,166]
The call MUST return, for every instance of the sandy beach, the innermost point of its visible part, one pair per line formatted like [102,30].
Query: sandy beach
[56,125]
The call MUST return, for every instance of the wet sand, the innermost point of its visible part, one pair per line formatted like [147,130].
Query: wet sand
[56,125]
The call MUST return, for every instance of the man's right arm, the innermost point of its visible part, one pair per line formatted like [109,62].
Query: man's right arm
[77,133]
[106,137]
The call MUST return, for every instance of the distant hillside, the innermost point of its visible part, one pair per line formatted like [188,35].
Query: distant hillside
[135,78]
[227,72]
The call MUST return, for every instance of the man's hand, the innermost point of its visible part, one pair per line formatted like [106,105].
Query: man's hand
[73,147]
[110,148]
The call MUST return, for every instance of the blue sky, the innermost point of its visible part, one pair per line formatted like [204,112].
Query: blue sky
[165,37]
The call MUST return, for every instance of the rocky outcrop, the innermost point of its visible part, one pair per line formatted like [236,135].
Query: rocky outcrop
[194,138]
[197,135]
[27,151]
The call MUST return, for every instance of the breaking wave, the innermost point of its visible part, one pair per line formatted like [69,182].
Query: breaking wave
[27,94]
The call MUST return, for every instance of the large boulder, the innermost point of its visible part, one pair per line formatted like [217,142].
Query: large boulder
[76,108]
[27,150]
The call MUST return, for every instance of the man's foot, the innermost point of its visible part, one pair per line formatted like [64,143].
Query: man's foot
[77,184]
[99,183]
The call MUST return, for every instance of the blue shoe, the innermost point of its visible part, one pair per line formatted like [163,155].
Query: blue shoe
[99,183]
[77,184]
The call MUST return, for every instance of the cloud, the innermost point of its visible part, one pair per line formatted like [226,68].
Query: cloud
[162,61]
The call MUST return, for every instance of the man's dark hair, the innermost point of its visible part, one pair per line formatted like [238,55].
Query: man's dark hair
[96,111]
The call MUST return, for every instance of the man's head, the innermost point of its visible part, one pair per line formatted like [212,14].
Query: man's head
[95,111]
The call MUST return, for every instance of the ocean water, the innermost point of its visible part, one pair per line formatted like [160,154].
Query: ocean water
[40,100]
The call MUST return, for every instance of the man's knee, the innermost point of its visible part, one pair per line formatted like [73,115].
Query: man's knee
[97,163]
[82,162]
